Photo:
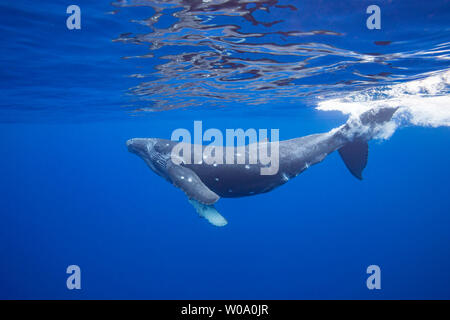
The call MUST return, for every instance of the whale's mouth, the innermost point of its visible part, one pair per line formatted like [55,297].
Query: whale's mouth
[130,146]
[140,146]
[129,143]
[137,145]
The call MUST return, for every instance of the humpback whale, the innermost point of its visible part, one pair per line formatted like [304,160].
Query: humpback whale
[205,183]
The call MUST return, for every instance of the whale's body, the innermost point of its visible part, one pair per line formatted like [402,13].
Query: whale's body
[205,182]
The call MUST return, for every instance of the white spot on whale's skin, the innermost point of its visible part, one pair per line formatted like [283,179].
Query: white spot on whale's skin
[285,177]
[247,166]
[190,179]
[167,144]
[215,165]
[217,179]
[182,178]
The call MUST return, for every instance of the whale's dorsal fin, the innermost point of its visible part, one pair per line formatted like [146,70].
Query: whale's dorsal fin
[188,181]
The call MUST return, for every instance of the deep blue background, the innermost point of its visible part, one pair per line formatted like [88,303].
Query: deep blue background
[70,193]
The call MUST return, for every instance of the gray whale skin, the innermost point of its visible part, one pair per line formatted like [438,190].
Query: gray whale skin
[205,183]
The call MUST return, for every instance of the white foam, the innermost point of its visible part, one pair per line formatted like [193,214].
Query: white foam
[424,102]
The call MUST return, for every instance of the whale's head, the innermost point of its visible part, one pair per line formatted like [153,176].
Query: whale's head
[150,151]
[142,147]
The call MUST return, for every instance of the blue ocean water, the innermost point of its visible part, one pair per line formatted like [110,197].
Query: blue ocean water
[71,193]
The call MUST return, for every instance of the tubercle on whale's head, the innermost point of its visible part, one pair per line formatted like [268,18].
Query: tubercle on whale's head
[141,146]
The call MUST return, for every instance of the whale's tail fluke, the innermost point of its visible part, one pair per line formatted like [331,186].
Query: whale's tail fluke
[355,134]
[379,116]
[355,154]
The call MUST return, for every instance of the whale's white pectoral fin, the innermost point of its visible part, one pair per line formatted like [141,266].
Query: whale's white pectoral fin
[209,213]
[188,181]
